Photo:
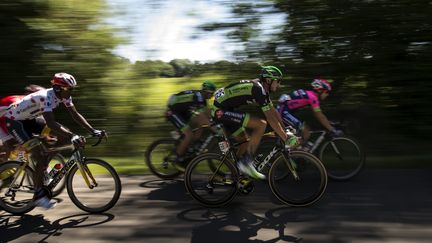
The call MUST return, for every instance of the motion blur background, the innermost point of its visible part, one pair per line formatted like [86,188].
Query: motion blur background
[130,55]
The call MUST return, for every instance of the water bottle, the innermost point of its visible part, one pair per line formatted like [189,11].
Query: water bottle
[54,170]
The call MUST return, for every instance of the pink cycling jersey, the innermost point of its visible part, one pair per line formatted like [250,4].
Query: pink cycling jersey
[301,98]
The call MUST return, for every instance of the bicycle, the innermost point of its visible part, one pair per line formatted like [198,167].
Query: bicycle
[343,156]
[160,155]
[296,178]
[83,176]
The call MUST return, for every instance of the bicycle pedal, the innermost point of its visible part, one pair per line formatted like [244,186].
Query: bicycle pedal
[246,186]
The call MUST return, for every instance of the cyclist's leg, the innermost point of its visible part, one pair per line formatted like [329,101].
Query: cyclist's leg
[179,121]
[236,122]
[22,132]
[200,118]
[258,127]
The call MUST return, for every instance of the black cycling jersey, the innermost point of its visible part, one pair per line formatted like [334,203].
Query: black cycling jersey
[186,100]
[242,93]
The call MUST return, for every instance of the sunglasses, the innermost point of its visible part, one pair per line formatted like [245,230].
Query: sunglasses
[66,89]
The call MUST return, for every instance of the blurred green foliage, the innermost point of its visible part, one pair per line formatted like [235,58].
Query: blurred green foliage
[378,53]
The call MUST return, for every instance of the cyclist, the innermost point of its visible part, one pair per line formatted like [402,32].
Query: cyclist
[6,141]
[187,108]
[229,98]
[289,103]
[21,123]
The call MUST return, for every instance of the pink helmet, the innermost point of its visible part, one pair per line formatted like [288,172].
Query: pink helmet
[321,84]
[64,80]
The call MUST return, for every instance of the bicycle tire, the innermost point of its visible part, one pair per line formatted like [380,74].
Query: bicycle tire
[200,189]
[27,205]
[163,173]
[342,168]
[311,190]
[85,206]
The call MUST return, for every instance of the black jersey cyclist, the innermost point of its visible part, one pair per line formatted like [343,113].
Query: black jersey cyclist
[186,109]
[229,98]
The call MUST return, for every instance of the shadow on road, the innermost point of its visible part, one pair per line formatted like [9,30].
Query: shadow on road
[166,190]
[234,224]
[14,227]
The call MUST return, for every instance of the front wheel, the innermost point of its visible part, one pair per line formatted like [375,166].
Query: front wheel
[16,187]
[297,179]
[211,179]
[160,157]
[343,158]
[93,186]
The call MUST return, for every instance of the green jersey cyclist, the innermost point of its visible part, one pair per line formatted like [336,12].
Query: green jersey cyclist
[229,98]
[189,108]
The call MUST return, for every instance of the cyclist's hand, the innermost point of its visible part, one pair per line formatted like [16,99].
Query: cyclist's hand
[336,133]
[99,133]
[78,141]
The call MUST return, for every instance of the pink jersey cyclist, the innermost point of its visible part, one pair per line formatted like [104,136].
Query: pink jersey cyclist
[289,103]
[299,99]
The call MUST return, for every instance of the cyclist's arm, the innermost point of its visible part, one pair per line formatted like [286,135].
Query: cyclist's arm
[319,115]
[78,118]
[56,127]
[272,118]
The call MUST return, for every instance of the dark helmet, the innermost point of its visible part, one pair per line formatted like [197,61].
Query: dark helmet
[208,86]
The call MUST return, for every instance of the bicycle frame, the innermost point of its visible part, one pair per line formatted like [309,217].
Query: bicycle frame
[318,141]
[76,158]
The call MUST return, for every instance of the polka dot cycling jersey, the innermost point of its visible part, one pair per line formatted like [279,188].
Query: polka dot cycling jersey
[35,104]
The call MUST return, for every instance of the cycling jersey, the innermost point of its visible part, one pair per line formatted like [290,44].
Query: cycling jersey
[4,104]
[20,116]
[302,98]
[235,95]
[294,101]
[183,106]
[242,93]
[35,104]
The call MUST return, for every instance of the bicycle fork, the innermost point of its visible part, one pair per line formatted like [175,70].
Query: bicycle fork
[85,172]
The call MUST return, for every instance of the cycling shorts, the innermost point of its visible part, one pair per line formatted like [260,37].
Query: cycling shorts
[23,130]
[233,122]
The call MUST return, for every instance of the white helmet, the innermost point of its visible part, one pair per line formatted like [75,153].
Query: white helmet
[64,80]
[284,98]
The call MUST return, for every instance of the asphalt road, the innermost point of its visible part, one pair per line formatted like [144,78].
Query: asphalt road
[377,206]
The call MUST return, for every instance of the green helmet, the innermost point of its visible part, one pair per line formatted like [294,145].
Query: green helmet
[271,72]
[208,86]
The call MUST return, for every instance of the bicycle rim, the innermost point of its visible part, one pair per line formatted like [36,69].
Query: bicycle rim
[105,193]
[343,158]
[159,159]
[16,189]
[212,187]
[299,191]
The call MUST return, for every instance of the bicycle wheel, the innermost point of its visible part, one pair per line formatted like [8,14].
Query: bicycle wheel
[58,159]
[160,157]
[211,188]
[104,191]
[302,186]
[16,189]
[343,158]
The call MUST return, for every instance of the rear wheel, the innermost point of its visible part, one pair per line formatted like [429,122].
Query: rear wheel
[214,185]
[104,190]
[160,158]
[343,158]
[16,187]
[298,179]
